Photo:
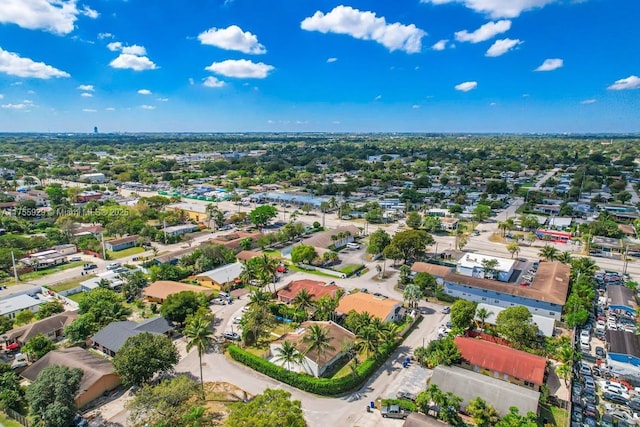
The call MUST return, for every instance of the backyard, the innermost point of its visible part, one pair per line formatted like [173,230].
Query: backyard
[125,253]
[40,273]
[69,284]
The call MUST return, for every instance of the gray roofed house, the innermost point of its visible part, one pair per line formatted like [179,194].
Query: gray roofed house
[51,327]
[469,385]
[112,337]
[621,298]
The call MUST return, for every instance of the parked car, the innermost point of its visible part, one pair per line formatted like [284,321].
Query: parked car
[394,411]
[113,265]
[75,258]
[634,404]
[20,361]
[218,301]
[614,397]
[589,383]
[406,396]
[89,267]
[590,411]
[237,320]
[233,336]
[446,310]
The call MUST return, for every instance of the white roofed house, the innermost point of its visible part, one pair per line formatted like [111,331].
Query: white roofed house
[13,305]
[472,265]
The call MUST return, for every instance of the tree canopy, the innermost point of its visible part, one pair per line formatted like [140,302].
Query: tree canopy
[261,215]
[144,355]
[51,396]
[273,408]
[178,306]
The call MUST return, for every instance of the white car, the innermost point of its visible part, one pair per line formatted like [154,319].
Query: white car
[615,390]
[237,320]
[585,336]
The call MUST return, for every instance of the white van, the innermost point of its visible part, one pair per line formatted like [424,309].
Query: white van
[353,246]
[114,265]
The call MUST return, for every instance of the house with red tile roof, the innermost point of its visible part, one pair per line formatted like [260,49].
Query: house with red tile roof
[502,362]
[315,288]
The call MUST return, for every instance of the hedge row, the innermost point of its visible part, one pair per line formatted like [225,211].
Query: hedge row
[321,386]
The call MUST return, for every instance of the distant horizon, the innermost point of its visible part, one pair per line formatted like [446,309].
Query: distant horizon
[408,66]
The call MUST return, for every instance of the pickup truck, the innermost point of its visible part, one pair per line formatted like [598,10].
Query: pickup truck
[394,411]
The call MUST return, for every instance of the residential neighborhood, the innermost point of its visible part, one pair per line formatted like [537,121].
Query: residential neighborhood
[409,282]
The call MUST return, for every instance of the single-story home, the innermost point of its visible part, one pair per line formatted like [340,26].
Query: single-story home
[52,327]
[623,352]
[99,376]
[221,276]
[232,240]
[122,243]
[173,257]
[470,385]
[385,309]
[11,306]
[159,290]
[437,271]
[449,223]
[179,230]
[112,337]
[416,419]
[114,279]
[502,362]
[314,287]
[244,256]
[621,298]
[546,325]
[327,238]
[314,364]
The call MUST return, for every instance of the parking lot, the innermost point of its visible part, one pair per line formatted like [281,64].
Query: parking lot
[601,393]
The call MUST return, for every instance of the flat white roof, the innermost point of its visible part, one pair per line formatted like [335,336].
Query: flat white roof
[17,303]
[180,227]
[559,221]
[224,274]
[545,324]
[193,207]
[473,260]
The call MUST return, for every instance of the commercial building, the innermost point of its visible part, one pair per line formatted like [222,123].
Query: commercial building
[471,265]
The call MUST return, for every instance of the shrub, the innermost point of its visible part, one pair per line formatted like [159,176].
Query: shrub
[403,403]
[444,297]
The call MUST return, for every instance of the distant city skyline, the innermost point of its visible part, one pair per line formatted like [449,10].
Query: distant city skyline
[441,66]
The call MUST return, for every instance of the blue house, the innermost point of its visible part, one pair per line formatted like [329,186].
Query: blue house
[623,352]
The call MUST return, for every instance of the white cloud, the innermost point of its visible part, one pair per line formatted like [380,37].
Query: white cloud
[110,109]
[330,60]
[148,107]
[588,101]
[88,12]
[366,26]
[114,46]
[466,86]
[213,82]
[105,36]
[500,47]
[14,65]
[1,96]
[191,81]
[86,88]
[89,110]
[133,62]
[550,64]
[134,50]
[492,104]
[440,45]
[485,32]
[162,99]
[377,98]
[498,8]
[144,92]
[24,105]
[631,82]
[336,122]
[240,68]
[415,106]
[232,38]
[86,95]
[54,16]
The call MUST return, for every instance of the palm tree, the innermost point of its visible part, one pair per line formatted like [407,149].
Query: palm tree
[513,248]
[549,253]
[318,340]
[369,338]
[412,294]
[259,298]
[564,371]
[482,314]
[199,334]
[288,354]
[267,266]
[303,300]
[564,257]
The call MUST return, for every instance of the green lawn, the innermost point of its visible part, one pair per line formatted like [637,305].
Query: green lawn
[125,252]
[76,297]
[69,284]
[554,416]
[349,269]
[316,272]
[40,273]
[8,422]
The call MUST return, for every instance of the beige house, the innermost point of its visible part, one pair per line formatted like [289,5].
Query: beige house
[314,364]
[385,309]
[159,290]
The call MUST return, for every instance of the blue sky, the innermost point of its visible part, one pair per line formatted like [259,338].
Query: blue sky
[292,65]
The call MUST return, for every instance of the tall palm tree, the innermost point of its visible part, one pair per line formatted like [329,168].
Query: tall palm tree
[303,301]
[482,314]
[369,339]
[267,266]
[565,257]
[259,298]
[549,253]
[318,340]
[412,294]
[199,335]
[288,354]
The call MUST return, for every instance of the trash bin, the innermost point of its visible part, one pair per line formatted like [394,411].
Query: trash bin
[372,404]
[368,408]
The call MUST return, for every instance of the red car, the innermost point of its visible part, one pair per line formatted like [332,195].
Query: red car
[281,269]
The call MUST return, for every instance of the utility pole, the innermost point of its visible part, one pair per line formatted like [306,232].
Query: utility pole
[104,250]
[164,230]
[15,270]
